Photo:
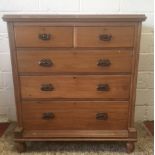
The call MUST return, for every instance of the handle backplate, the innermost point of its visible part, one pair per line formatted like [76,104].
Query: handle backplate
[104,62]
[47,87]
[103,87]
[44,36]
[48,115]
[101,116]
[45,62]
[105,37]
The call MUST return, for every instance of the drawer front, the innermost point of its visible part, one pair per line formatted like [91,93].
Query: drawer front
[41,36]
[74,61]
[75,87]
[104,36]
[74,115]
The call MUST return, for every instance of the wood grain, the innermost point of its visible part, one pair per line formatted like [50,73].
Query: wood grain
[75,86]
[73,135]
[89,36]
[28,36]
[16,82]
[79,116]
[74,61]
[134,75]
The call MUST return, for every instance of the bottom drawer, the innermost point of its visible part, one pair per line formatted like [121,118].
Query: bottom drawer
[69,115]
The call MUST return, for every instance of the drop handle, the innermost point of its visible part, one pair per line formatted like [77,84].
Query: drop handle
[104,62]
[105,37]
[101,116]
[48,115]
[44,36]
[47,87]
[45,63]
[103,87]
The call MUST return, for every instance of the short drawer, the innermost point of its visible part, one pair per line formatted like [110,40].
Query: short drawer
[75,87]
[113,36]
[86,61]
[43,36]
[74,115]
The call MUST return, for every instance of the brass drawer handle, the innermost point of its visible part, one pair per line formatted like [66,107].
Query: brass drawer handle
[101,116]
[47,87]
[44,36]
[103,87]
[104,62]
[105,37]
[45,63]
[48,115]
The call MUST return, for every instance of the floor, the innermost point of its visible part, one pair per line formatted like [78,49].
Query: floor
[3,127]
[144,146]
[149,126]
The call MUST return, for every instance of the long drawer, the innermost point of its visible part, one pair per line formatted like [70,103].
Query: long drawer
[74,115]
[63,61]
[107,36]
[43,36]
[75,87]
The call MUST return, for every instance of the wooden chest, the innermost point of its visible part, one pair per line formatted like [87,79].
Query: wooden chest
[75,76]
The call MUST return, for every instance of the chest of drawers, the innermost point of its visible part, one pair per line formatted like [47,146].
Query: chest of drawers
[75,77]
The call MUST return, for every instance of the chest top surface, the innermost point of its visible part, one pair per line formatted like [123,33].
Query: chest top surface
[85,18]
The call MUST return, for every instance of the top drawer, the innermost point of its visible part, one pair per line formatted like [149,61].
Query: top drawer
[43,36]
[107,36]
